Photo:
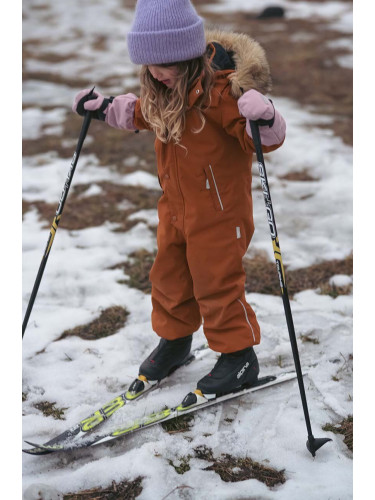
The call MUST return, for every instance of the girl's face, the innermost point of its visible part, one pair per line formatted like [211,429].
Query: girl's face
[164,73]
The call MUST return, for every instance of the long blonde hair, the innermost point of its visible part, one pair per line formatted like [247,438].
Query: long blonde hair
[165,108]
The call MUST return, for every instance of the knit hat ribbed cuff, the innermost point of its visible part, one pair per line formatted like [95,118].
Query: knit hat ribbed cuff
[167,46]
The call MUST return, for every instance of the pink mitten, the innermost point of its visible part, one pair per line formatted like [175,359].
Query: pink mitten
[256,107]
[87,101]
[118,111]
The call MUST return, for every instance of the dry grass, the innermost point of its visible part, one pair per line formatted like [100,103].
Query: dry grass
[138,270]
[345,427]
[261,276]
[126,490]
[110,321]
[183,466]
[179,424]
[233,469]
[48,409]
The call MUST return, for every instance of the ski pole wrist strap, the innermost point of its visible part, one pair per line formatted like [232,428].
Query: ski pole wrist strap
[270,122]
[98,114]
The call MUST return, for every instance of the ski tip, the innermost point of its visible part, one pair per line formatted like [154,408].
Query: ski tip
[45,447]
[313,444]
[35,445]
[37,451]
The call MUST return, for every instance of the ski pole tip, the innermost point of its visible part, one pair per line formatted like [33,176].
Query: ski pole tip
[313,444]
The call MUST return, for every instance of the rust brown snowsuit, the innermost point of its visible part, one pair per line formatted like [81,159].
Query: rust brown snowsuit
[205,212]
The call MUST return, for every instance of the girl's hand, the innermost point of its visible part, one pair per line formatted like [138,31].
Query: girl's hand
[256,107]
[96,103]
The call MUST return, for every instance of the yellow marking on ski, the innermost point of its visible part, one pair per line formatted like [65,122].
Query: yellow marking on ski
[142,378]
[198,392]
[113,405]
[91,422]
[136,425]
[151,419]
[99,416]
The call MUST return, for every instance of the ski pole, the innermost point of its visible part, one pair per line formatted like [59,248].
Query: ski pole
[56,220]
[313,444]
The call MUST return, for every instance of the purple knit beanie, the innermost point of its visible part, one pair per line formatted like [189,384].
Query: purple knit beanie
[165,31]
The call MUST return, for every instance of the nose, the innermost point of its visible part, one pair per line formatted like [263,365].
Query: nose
[155,72]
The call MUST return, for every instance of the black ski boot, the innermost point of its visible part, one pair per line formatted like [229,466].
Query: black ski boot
[231,372]
[167,357]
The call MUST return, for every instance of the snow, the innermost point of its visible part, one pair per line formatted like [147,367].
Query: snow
[341,280]
[314,221]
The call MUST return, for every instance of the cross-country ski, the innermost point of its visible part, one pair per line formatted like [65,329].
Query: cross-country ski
[193,402]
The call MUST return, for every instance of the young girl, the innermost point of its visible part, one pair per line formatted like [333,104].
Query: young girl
[198,92]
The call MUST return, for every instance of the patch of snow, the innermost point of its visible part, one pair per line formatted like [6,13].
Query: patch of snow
[150,216]
[141,178]
[341,280]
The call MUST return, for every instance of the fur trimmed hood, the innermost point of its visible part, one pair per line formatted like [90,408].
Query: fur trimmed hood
[251,69]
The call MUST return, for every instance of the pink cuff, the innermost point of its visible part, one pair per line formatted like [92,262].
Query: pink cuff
[120,112]
[271,136]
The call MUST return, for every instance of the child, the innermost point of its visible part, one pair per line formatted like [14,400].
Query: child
[198,92]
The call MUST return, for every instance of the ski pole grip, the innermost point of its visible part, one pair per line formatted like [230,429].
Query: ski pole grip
[254,127]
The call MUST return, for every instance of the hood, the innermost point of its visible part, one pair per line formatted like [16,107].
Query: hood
[249,62]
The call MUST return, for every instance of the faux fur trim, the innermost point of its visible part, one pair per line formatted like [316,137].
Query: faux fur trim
[252,69]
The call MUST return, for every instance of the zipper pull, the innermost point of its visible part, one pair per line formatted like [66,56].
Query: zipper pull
[207,184]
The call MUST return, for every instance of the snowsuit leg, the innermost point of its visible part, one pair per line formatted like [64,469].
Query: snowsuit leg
[175,311]
[215,261]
